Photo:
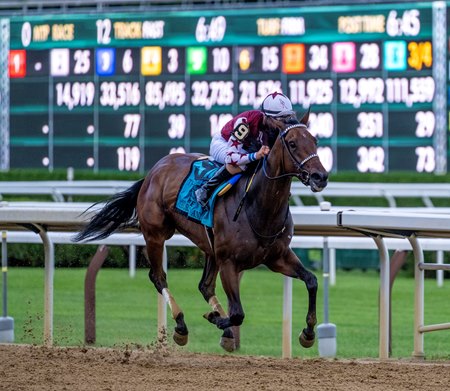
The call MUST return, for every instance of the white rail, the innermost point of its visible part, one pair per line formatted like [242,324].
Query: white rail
[389,191]
[44,218]
[60,191]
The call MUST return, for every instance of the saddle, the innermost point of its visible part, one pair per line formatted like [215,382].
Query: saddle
[186,204]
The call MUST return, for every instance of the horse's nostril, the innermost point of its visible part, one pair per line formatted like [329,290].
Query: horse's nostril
[319,176]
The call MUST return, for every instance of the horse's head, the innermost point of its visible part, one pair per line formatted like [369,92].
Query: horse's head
[296,152]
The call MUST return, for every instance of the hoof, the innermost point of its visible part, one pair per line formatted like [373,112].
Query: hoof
[228,344]
[227,340]
[180,339]
[305,342]
[211,316]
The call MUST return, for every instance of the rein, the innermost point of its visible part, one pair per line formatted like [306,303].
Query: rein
[239,208]
[273,236]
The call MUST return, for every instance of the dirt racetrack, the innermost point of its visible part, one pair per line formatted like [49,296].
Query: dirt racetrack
[24,367]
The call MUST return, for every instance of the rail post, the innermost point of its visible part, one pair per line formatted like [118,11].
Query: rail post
[6,322]
[89,293]
[326,332]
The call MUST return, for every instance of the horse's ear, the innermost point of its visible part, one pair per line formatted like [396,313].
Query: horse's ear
[305,118]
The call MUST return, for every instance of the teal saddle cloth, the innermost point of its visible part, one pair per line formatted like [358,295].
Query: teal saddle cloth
[186,204]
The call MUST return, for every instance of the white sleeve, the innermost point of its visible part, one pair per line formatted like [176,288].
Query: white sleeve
[236,154]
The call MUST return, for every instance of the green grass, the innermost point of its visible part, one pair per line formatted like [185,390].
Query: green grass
[127,310]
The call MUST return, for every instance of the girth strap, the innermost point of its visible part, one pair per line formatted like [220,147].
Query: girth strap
[210,236]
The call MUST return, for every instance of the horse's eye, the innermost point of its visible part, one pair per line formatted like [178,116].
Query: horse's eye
[292,144]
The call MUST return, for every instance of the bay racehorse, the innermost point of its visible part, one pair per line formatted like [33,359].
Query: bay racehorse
[260,234]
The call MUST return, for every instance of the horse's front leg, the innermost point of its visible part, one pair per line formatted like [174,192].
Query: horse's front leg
[157,275]
[207,287]
[230,278]
[291,266]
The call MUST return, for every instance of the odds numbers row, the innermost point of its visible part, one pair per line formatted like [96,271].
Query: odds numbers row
[207,94]
[294,58]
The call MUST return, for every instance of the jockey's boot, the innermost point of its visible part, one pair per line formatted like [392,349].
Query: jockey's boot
[205,191]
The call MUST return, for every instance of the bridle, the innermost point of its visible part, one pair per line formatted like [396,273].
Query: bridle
[304,174]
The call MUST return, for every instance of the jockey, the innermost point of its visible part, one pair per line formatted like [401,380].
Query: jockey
[234,144]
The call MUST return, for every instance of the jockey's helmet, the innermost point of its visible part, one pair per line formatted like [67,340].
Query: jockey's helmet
[277,105]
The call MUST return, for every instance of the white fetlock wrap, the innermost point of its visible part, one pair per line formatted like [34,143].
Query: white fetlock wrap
[166,295]
[171,302]
[216,306]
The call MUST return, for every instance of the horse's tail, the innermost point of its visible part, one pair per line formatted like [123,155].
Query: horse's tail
[119,212]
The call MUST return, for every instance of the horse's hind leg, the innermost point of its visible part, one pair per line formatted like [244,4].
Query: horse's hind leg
[155,249]
[207,287]
[291,266]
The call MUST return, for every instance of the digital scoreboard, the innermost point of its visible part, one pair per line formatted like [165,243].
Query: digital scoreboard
[119,91]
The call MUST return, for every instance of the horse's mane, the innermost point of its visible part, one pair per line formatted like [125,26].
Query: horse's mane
[274,126]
